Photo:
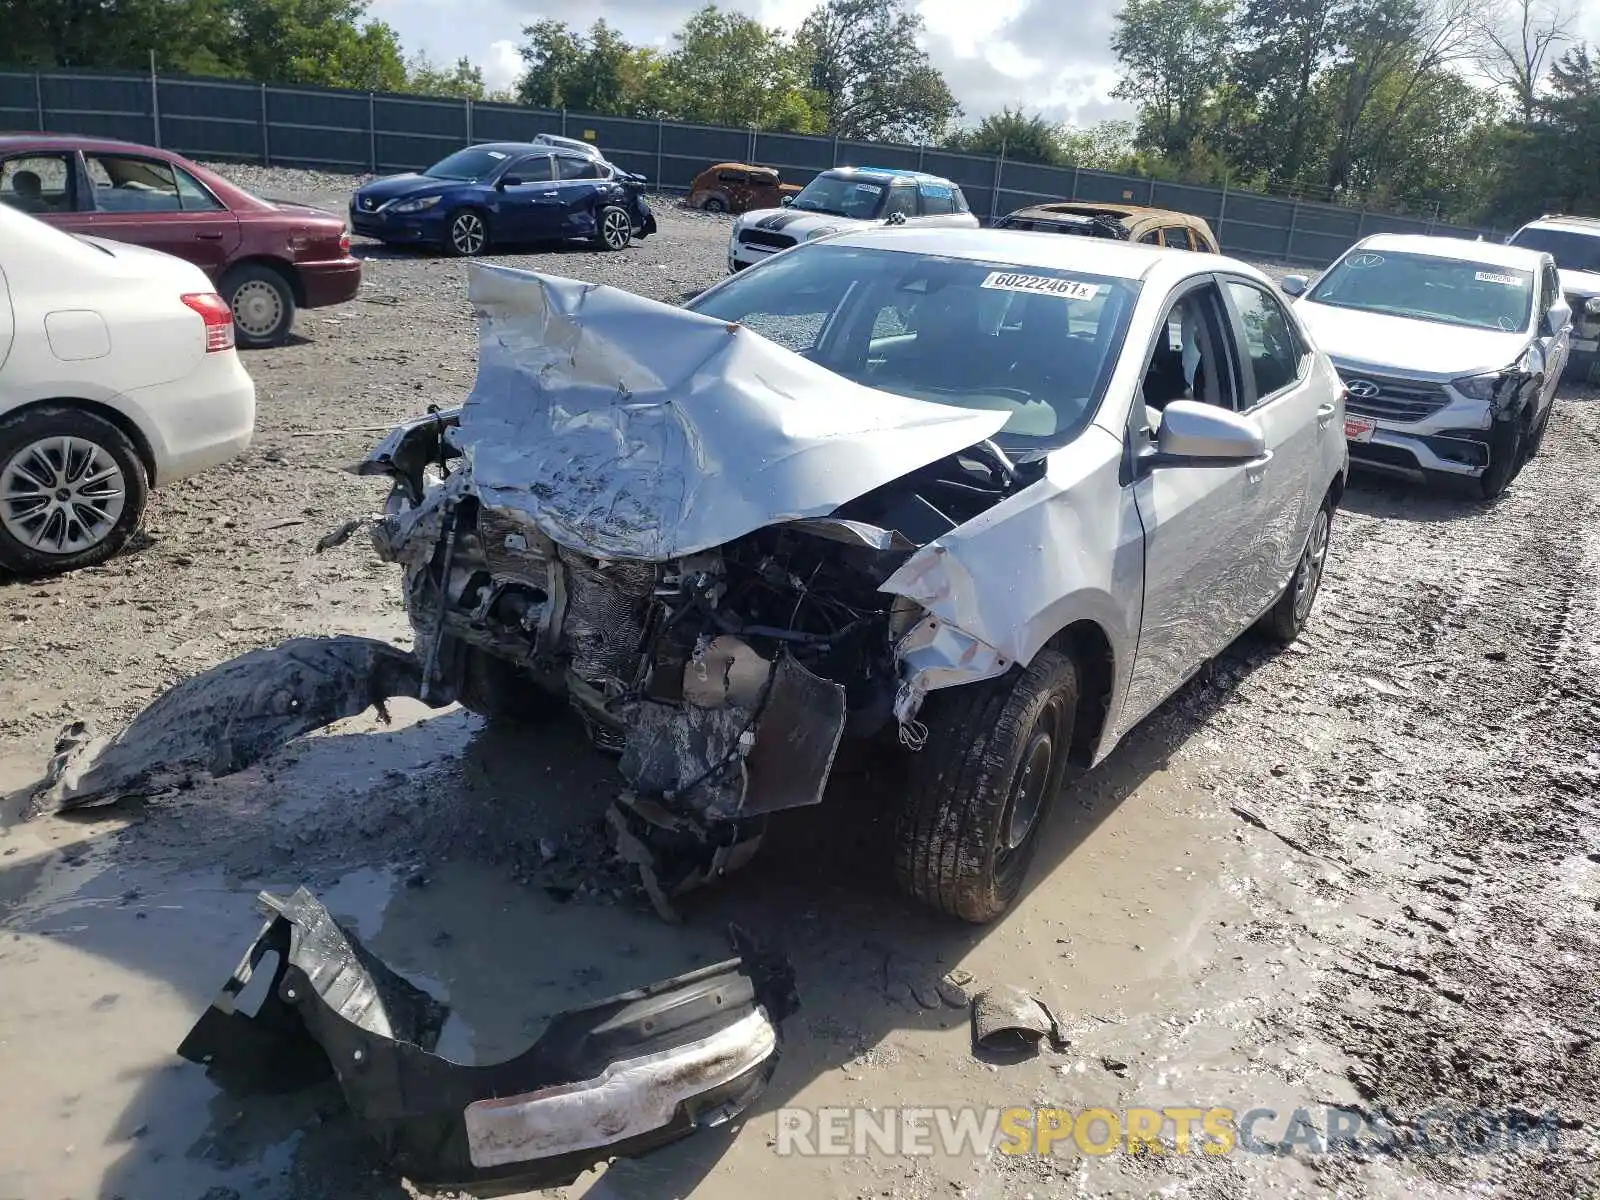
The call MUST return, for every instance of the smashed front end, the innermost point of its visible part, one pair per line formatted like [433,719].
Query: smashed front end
[682,529]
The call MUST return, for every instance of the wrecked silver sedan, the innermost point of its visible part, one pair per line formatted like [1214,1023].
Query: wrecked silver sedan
[996,495]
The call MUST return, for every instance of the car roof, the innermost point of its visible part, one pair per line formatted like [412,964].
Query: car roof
[1020,248]
[1493,253]
[1091,208]
[889,173]
[1589,225]
[524,147]
[70,141]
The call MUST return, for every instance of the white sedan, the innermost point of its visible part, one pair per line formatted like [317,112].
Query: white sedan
[117,373]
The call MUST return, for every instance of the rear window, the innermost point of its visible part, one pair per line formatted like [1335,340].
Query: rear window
[1573,251]
[1034,343]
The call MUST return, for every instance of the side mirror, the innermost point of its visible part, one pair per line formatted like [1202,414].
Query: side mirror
[1294,285]
[508,181]
[1200,435]
[786,201]
[896,219]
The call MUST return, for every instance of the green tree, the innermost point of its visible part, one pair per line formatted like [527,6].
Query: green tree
[1011,132]
[462,81]
[1173,55]
[597,72]
[193,36]
[863,58]
[728,69]
[1103,146]
[554,53]
[1284,46]
[328,43]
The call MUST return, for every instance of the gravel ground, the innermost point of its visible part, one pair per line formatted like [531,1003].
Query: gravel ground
[1364,872]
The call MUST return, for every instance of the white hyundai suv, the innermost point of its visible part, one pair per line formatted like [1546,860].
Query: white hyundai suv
[117,373]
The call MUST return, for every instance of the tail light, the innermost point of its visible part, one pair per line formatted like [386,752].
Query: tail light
[214,311]
[344,242]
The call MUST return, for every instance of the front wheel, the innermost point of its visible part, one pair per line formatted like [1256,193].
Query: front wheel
[1508,449]
[72,490]
[467,235]
[1288,616]
[263,305]
[613,228]
[715,204]
[979,790]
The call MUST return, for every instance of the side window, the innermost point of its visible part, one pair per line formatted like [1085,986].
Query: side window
[133,185]
[37,183]
[732,177]
[1189,359]
[937,200]
[1274,349]
[1176,237]
[573,167]
[1153,238]
[960,200]
[902,200]
[194,195]
[533,169]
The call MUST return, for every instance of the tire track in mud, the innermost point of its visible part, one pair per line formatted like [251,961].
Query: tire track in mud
[1455,650]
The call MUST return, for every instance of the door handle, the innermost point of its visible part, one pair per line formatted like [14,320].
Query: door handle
[209,237]
[1325,413]
[550,193]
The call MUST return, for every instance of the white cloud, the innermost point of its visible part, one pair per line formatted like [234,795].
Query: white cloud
[502,65]
[1050,56]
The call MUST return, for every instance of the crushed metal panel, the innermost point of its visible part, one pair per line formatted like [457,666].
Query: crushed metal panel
[796,741]
[616,1077]
[628,428]
[223,720]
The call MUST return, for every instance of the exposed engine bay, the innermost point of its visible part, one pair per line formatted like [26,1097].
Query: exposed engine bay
[678,666]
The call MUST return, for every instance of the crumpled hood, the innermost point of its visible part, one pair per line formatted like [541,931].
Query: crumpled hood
[627,428]
[1399,345]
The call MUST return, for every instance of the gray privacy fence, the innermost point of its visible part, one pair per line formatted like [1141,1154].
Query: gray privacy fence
[326,128]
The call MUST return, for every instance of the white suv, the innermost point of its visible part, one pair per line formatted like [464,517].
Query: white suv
[117,372]
[1574,242]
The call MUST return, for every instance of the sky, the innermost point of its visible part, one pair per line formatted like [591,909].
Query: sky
[1050,56]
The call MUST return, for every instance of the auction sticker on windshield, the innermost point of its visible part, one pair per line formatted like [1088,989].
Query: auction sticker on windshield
[1359,429]
[1496,277]
[1067,289]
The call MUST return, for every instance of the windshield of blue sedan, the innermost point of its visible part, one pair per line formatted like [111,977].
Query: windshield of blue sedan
[1425,287]
[843,196]
[464,166]
[1036,343]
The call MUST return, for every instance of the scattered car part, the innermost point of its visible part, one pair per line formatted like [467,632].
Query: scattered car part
[617,1077]
[1009,1020]
[223,720]
[266,257]
[118,373]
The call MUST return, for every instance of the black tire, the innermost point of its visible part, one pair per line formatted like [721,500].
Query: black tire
[1288,616]
[22,431]
[957,843]
[495,689]
[263,305]
[715,204]
[467,233]
[613,228]
[1508,451]
[1536,443]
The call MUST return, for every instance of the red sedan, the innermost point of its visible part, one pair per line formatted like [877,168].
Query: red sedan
[266,258]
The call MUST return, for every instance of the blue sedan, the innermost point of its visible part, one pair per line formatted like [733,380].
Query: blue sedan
[506,193]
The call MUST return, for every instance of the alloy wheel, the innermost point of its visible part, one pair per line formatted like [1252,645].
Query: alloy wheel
[61,495]
[1308,578]
[616,228]
[468,234]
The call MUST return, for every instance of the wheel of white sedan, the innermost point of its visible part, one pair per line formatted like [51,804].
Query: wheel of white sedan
[72,490]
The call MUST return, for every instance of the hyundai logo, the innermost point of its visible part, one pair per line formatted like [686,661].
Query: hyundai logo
[1363,389]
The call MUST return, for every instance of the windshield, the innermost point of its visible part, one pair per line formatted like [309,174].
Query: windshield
[843,197]
[1037,344]
[1572,251]
[467,165]
[1424,287]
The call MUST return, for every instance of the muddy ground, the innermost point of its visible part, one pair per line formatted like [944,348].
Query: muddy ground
[1362,872]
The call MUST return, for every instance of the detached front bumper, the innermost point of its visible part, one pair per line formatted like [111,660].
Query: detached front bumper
[618,1077]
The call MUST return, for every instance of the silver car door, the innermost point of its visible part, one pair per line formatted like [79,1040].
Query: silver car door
[1295,409]
[1555,328]
[1198,529]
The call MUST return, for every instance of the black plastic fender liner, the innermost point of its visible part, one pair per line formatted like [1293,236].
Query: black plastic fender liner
[614,1078]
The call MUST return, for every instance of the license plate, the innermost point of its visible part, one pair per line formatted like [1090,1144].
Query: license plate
[1357,429]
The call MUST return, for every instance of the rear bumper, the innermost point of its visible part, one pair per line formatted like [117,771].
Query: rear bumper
[617,1077]
[197,422]
[334,282]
